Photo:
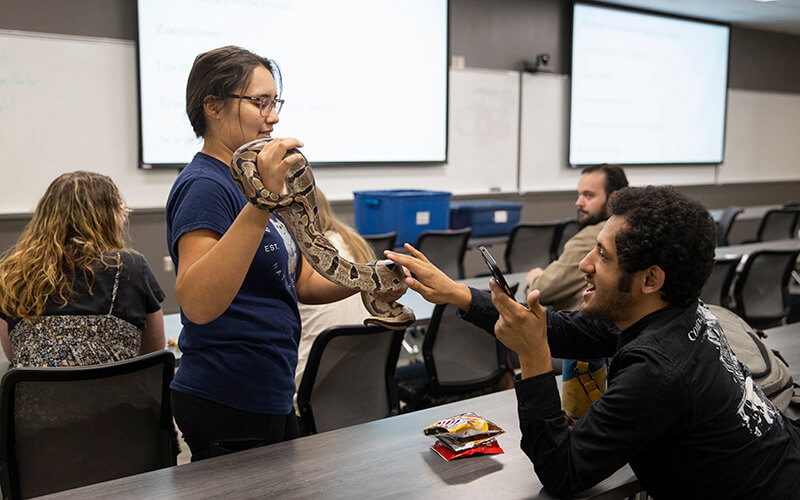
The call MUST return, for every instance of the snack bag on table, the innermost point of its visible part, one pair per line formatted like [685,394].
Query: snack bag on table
[463,435]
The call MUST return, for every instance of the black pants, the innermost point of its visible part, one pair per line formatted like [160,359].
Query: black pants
[211,429]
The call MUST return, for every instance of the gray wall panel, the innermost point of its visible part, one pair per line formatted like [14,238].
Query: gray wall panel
[495,35]
[502,34]
[100,18]
[761,60]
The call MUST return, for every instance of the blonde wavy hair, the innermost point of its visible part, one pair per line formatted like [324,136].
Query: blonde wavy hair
[327,222]
[80,217]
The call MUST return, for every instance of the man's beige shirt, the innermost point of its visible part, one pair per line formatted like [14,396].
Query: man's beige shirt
[562,284]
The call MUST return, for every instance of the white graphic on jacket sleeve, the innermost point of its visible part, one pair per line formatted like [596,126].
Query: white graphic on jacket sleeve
[755,409]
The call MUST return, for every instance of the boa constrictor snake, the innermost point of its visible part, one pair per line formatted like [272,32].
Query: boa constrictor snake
[299,210]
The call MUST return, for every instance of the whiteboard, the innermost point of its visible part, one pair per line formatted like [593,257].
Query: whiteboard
[69,103]
[762,141]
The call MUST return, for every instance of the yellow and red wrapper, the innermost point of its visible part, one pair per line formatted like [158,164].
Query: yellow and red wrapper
[463,435]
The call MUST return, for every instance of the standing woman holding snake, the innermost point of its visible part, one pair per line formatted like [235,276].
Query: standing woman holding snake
[239,272]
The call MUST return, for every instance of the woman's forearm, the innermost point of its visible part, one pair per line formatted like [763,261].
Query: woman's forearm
[211,269]
[313,288]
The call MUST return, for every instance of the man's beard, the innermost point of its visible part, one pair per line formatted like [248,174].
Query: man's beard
[609,306]
[590,220]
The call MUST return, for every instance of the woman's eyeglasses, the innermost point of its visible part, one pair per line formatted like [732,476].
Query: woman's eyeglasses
[265,104]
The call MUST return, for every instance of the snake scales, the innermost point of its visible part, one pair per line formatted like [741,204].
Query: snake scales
[299,210]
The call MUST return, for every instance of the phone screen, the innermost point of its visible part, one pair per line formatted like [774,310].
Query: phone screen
[495,269]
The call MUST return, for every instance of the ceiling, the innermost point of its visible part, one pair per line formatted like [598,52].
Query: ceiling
[781,15]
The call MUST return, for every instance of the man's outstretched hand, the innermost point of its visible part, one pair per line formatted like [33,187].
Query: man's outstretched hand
[430,282]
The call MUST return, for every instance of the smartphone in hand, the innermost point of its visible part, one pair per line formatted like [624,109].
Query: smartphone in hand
[495,269]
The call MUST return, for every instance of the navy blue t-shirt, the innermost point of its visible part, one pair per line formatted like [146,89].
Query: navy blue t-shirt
[246,358]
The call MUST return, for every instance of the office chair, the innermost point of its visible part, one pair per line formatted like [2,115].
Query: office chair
[381,242]
[761,291]
[460,361]
[725,223]
[717,289]
[445,249]
[531,245]
[778,224]
[68,427]
[349,378]
[568,229]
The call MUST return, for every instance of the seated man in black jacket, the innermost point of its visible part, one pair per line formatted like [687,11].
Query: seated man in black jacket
[679,406]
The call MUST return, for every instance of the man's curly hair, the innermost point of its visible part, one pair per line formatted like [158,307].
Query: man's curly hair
[667,229]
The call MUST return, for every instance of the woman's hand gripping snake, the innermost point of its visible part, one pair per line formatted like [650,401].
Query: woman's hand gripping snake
[299,211]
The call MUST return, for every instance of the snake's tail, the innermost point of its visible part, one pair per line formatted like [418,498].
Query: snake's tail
[391,315]
[389,325]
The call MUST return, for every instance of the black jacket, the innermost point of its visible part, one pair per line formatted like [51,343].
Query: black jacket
[679,408]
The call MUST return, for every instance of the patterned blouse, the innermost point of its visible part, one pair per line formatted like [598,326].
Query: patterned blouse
[75,340]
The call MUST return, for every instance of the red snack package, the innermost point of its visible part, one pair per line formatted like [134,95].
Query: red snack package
[463,435]
[490,448]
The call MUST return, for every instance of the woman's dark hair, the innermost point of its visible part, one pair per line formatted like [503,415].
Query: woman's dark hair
[220,72]
[667,229]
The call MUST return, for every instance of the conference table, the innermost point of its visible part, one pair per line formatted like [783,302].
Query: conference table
[786,340]
[389,458]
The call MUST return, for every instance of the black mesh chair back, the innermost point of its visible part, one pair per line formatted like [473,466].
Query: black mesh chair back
[778,225]
[459,356]
[568,229]
[381,242]
[726,222]
[445,249]
[531,245]
[68,427]
[761,291]
[349,378]
[717,289]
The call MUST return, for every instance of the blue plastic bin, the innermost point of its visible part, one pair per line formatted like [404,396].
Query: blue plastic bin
[485,217]
[406,211]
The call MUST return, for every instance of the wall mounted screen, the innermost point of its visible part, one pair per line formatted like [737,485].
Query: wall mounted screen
[364,80]
[646,89]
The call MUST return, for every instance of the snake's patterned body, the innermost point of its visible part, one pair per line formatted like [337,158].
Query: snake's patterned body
[299,210]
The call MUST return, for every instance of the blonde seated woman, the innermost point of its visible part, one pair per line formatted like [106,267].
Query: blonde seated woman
[350,311]
[71,293]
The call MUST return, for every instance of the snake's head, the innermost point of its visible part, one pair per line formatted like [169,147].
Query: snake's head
[397,270]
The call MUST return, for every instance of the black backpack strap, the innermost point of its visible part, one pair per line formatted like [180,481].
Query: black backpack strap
[778,355]
[795,401]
